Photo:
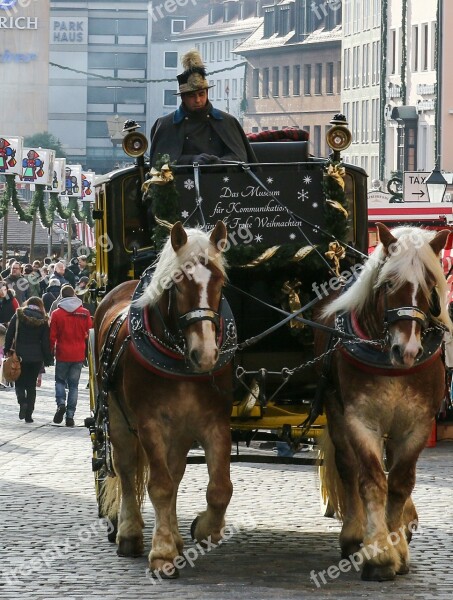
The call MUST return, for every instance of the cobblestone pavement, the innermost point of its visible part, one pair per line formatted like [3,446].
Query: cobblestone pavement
[53,546]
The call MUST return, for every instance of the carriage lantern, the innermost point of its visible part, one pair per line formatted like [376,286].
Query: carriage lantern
[338,137]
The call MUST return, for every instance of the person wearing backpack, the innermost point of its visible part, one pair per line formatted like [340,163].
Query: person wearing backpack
[51,294]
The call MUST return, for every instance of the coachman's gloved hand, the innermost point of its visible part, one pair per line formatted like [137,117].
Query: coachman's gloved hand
[206,159]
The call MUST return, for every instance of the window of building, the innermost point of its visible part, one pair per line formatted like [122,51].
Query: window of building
[219,51]
[234,89]
[170,98]
[132,26]
[347,69]
[269,21]
[256,83]
[219,89]
[275,81]
[415,48]
[329,78]
[285,83]
[393,51]
[130,60]
[307,80]
[211,51]
[365,65]
[307,129]
[355,66]
[425,47]
[227,89]
[317,140]
[170,60]
[318,79]
[265,83]
[366,14]
[102,26]
[296,80]
[235,44]
[286,18]
[339,77]
[178,25]
[227,50]
[365,125]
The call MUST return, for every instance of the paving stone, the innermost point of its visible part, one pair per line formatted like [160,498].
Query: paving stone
[52,544]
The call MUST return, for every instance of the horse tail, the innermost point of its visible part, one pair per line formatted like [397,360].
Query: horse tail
[110,497]
[111,492]
[332,490]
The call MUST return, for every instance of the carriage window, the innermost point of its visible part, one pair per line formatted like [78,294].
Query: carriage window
[136,221]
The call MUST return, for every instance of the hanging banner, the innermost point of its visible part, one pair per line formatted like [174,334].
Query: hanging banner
[37,166]
[88,185]
[58,178]
[11,155]
[73,181]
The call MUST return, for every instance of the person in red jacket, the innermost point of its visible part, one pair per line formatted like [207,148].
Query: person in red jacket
[69,327]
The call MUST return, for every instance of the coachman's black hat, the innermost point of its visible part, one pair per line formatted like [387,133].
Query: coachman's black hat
[193,78]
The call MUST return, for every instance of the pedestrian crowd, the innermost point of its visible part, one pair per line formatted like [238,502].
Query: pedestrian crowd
[45,319]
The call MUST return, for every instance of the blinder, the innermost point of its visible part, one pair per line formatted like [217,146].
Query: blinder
[434,303]
[199,314]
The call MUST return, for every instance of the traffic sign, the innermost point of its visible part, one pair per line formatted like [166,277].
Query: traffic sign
[414,186]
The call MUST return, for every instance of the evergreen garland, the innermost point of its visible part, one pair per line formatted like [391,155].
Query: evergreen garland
[404,53]
[8,192]
[382,130]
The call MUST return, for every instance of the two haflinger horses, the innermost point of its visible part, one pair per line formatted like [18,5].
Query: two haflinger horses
[169,381]
[166,358]
[383,397]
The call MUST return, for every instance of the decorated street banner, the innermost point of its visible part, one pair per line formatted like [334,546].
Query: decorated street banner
[88,185]
[73,181]
[37,166]
[11,155]
[58,179]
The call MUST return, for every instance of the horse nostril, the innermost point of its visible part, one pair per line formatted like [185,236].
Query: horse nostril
[419,353]
[396,353]
[216,355]
[194,358]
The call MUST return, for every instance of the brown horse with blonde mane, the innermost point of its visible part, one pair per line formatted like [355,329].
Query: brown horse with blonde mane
[385,388]
[167,376]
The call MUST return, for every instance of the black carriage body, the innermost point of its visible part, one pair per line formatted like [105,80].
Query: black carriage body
[254,215]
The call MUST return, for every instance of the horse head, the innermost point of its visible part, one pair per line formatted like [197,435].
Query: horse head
[198,292]
[411,289]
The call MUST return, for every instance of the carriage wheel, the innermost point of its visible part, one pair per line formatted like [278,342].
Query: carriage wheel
[98,436]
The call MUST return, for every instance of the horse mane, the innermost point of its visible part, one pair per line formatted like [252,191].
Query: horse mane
[170,264]
[412,259]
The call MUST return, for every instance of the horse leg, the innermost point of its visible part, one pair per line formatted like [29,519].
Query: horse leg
[341,473]
[401,482]
[209,524]
[128,458]
[410,515]
[382,560]
[163,484]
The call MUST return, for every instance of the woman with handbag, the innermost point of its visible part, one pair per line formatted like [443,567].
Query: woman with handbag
[28,334]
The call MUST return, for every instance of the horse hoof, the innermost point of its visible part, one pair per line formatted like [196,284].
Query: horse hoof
[193,527]
[372,572]
[111,536]
[352,547]
[403,570]
[164,570]
[132,547]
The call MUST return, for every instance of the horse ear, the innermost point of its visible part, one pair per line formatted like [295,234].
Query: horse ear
[218,236]
[178,236]
[385,235]
[439,241]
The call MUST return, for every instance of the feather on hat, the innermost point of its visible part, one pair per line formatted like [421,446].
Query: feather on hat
[193,78]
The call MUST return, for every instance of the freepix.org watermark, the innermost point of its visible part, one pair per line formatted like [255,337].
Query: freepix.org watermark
[322,290]
[57,550]
[356,560]
[189,557]
[159,10]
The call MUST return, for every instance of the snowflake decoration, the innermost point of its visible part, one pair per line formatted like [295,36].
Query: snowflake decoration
[184,214]
[226,179]
[292,236]
[303,195]
[307,179]
[270,180]
[189,184]
[258,238]
[315,205]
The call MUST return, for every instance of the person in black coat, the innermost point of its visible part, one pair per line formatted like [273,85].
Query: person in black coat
[8,303]
[33,347]
[51,294]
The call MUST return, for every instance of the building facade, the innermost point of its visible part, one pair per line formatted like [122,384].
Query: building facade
[294,69]
[24,61]
[99,59]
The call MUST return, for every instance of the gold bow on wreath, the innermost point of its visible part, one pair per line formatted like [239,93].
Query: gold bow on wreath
[335,253]
[165,175]
[337,173]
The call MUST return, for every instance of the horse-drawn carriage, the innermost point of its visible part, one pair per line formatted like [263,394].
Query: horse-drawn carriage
[215,333]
